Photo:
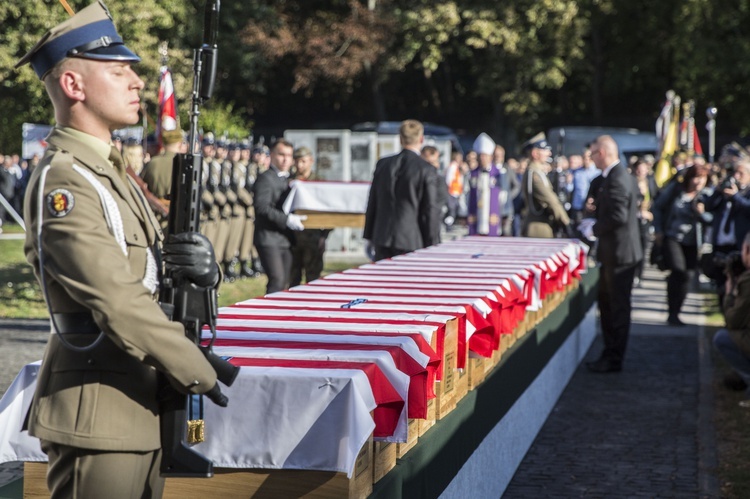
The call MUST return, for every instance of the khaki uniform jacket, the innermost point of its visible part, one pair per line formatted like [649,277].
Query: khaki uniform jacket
[542,205]
[158,175]
[104,399]
[239,182]
[221,202]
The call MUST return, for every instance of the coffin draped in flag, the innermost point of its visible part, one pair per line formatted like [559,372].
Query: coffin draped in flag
[167,105]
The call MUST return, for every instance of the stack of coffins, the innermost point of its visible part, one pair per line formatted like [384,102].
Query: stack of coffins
[344,375]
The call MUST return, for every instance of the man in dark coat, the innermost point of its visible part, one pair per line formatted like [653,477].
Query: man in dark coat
[402,209]
[619,251]
[274,228]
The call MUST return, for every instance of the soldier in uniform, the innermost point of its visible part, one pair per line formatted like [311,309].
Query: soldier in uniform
[543,212]
[222,198]
[248,254]
[211,200]
[96,410]
[310,244]
[245,152]
[158,172]
[229,180]
[261,159]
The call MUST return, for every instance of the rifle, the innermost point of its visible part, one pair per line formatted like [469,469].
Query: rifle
[183,301]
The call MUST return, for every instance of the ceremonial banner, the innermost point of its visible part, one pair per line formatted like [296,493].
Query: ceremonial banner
[418,375]
[390,386]
[663,170]
[167,106]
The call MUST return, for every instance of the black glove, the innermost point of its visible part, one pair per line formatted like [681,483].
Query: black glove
[190,255]
[215,396]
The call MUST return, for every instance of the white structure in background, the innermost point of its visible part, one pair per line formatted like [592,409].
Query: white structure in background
[350,156]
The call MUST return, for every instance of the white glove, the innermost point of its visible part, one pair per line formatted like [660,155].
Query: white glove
[369,250]
[586,227]
[294,222]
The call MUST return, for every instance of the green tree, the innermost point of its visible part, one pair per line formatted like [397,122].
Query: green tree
[143,25]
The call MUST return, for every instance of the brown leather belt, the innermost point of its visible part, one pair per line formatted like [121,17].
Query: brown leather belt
[75,323]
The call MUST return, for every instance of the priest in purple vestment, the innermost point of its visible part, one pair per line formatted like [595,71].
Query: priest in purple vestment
[485,187]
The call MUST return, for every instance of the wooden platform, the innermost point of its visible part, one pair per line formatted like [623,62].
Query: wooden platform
[258,484]
[320,220]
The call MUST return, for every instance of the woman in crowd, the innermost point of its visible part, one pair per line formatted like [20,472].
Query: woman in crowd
[679,217]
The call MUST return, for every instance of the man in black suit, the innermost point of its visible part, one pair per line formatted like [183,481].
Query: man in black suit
[274,228]
[402,210]
[619,251]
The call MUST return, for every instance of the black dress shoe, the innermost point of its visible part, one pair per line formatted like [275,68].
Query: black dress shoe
[231,270]
[673,320]
[604,365]
[246,269]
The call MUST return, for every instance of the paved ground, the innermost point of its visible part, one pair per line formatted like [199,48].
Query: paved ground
[645,432]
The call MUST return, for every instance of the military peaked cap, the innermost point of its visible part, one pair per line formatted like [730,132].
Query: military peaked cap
[90,34]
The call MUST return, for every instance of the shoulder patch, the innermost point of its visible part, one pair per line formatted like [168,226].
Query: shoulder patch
[60,202]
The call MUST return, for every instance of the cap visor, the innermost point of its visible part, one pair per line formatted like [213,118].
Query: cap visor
[117,52]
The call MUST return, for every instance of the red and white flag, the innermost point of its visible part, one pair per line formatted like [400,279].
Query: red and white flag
[167,105]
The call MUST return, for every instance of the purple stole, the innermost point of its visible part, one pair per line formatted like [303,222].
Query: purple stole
[482,216]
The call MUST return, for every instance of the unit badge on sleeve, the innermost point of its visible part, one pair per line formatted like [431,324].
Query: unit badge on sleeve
[60,202]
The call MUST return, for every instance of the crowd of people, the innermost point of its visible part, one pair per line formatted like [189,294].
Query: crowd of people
[14,176]
[87,195]
[693,224]
[694,221]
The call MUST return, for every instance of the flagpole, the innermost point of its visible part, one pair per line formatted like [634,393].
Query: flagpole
[711,127]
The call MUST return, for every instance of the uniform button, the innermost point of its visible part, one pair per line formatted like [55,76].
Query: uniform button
[91,362]
[135,236]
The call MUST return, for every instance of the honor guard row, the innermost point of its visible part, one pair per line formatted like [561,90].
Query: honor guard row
[227,212]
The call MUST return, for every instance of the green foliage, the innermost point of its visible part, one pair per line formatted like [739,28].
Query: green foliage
[20,296]
[510,67]
[223,119]
[142,24]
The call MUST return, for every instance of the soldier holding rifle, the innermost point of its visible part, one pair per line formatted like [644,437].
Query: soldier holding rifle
[94,245]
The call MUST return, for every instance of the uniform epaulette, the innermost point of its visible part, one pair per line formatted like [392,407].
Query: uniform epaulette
[62,158]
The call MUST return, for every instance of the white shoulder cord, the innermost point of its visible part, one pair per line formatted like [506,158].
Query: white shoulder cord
[40,215]
[114,223]
[151,276]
